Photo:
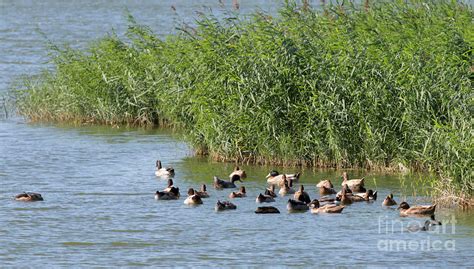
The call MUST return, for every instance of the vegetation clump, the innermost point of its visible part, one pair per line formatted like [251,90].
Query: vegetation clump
[382,86]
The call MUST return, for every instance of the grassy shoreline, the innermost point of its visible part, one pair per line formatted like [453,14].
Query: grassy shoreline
[381,88]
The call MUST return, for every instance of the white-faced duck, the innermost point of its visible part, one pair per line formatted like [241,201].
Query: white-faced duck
[237,171]
[316,208]
[296,206]
[356,185]
[163,171]
[29,197]
[389,201]
[240,194]
[286,188]
[222,184]
[302,196]
[264,199]
[203,192]
[193,198]
[275,178]
[267,210]
[406,210]
[226,205]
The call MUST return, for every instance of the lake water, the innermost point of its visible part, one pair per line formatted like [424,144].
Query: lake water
[99,182]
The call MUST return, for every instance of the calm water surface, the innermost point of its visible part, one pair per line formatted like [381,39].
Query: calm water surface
[98,182]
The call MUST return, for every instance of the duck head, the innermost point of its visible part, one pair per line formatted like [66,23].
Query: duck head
[403,205]
[273,173]
[242,189]
[219,205]
[158,164]
[203,188]
[426,226]
[170,182]
[235,178]
[191,192]
[314,204]
[301,189]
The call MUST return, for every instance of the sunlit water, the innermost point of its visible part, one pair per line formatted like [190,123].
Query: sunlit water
[98,182]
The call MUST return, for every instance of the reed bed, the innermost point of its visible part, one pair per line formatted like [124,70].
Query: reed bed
[385,86]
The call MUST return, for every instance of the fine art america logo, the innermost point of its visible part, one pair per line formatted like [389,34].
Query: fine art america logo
[415,236]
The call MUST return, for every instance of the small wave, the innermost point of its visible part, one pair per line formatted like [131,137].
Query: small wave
[128,231]
[132,244]
[37,208]
[73,243]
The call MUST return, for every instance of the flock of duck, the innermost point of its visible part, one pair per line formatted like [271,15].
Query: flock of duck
[330,201]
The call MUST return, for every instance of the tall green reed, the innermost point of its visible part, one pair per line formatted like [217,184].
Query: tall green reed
[384,85]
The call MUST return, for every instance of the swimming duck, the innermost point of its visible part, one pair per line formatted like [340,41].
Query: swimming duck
[239,172]
[203,192]
[302,196]
[173,194]
[169,193]
[286,189]
[267,210]
[29,197]
[241,193]
[406,210]
[170,185]
[356,185]
[433,221]
[346,199]
[360,197]
[163,171]
[274,177]
[222,184]
[294,205]
[327,208]
[193,198]
[325,183]
[346,189]
[270,191]
[325,199]
[369,195]
[426,226]
[264,199]
[226,205]
[323,190]
[389,201]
